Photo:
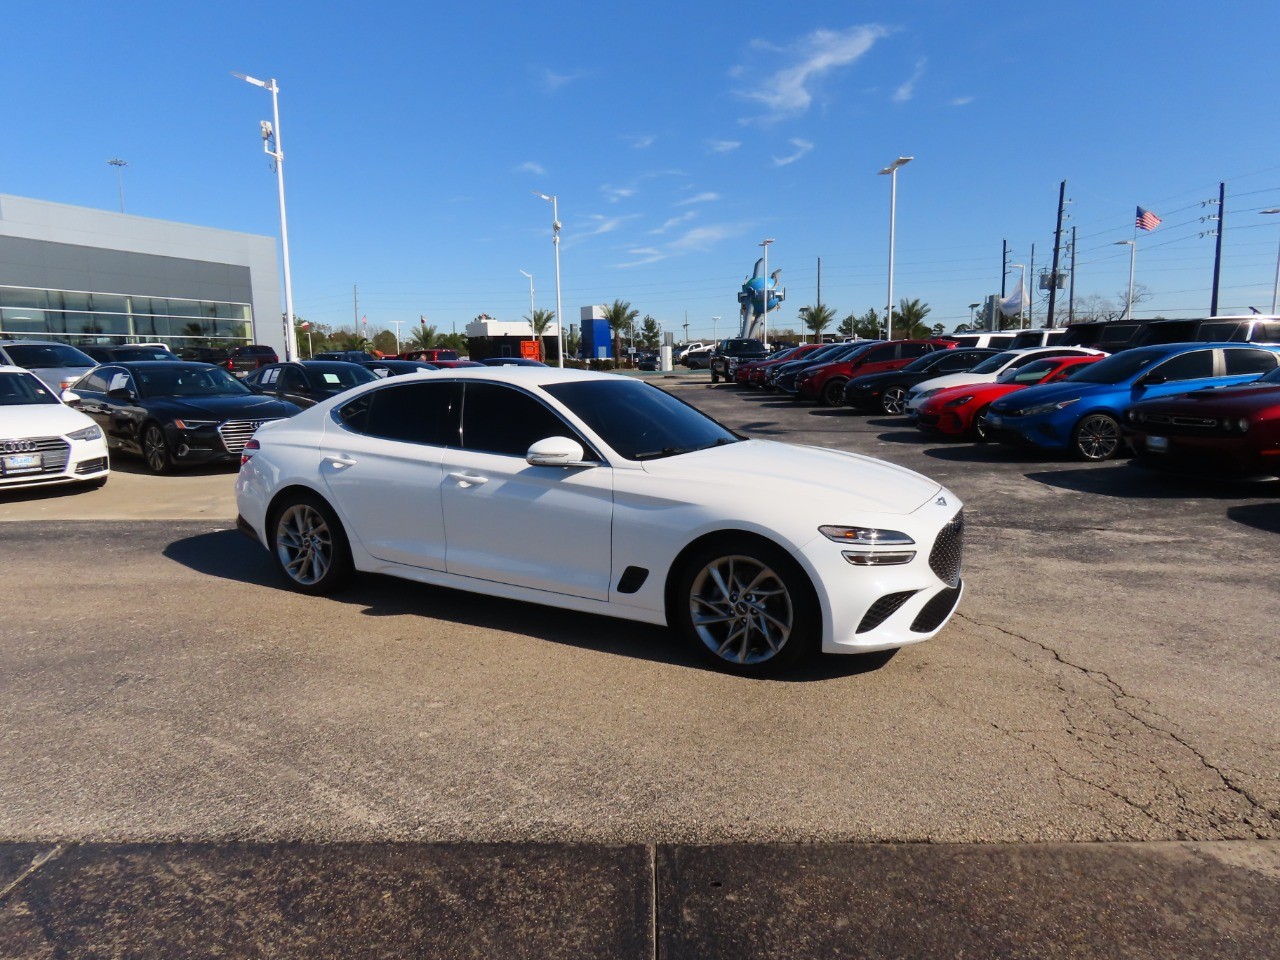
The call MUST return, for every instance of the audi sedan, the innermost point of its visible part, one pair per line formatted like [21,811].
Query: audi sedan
[602,493]
[42,440]
[173,412]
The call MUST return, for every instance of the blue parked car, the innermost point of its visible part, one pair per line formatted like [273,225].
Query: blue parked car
[1083,413]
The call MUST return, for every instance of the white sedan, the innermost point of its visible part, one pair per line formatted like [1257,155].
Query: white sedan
[997,368]
[604,494]
[42,440]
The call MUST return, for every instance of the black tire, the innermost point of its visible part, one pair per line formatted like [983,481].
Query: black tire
[1096,437]
[155,449]
[308,545]
[92,484]
[833,393]
[894,400]
[747,606]
[979,430]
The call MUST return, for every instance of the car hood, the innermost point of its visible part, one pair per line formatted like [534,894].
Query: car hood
[1052,393]
[788,473]
[954,380]
[222,408]
[40,420]
[982,392]
[1238,398]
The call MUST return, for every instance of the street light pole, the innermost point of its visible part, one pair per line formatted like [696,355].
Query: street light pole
[268,132]
[533,328]
[1133,248]
[555,241]
[119,165]
[892,171]
[764,291]
[1276,288]
[714,321]
[1022,289]
[397,323]
[972,318]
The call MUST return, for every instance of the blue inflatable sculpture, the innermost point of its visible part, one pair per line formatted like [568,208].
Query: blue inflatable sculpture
[751,301]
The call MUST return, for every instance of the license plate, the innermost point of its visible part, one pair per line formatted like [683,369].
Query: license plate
[1158,444]
[23,463]
[995,420]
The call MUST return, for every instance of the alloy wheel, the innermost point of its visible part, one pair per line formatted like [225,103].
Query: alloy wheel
[894,400]
[304,544]
[154,449]
[1098,437]
[741,610]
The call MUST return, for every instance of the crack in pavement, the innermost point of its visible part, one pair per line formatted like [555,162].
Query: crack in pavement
[37,862]
[1260,821]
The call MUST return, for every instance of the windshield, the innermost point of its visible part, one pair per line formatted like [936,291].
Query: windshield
[47,356]
[1032,372]
[1118,368]
[822,352]
[638,420]
[927,361]
[1272,377]
[173,380]
[993,364]
[336,377]
[18,389]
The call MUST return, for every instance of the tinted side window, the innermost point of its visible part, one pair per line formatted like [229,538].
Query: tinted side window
[915,349]
[499,419]
[414,413]
[1267,333]
[291,379]
[94,382]
[1186,366]
[1249,361]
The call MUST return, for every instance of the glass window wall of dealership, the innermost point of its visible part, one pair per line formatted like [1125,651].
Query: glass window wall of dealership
[108,319]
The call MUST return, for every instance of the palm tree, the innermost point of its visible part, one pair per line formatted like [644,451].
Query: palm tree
[540,320]
[356,341]
[911,314]
[424,337]
[817,318]
[620,317]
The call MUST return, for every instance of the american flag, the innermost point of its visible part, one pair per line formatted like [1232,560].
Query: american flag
[1146,220]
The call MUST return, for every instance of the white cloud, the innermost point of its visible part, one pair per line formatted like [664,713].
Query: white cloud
[598,224]
[552,81]
[802,147]
[908,89]
[724,146]
[787,91]
[617,193]
[676,221]
[699,198]
[645,255]
[696,240]
[961,101]
[530,167]
[639,142]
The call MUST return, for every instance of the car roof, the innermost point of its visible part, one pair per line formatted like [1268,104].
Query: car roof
[167,364]
[10,368]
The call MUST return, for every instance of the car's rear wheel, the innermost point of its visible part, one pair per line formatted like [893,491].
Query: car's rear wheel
[833,393]
[1096,437]
[715,377]
[747,605]
[309,545]
[155,449]
[894,400]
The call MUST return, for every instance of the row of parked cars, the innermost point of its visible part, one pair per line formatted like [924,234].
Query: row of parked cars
[1198,402]
[62,408]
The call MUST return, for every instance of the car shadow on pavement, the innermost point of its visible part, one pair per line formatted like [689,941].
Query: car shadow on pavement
[230,555]
[1125,481]
[1260,516]
[131,465]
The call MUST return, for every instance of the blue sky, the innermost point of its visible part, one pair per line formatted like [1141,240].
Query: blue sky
[677,136]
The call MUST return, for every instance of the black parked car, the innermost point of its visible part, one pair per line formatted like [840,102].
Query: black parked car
[308,382]
[127,352]
[350,356]
[394,368]
[887,391]
[728,353]
[173,411]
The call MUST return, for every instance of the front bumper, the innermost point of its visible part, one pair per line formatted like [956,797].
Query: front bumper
[44,461]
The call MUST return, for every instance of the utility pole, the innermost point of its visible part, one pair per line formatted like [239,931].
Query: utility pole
[119,165]
[1057,242]
[1004,267]
[355,306]
[819,281]
[1071,299]
[1217,254]
[1031,291]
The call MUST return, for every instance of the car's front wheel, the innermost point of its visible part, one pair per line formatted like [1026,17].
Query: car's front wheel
[981,430]
[747,605]
[833,393]
[1096,437]
[309,545]
[894,400]
[155,449]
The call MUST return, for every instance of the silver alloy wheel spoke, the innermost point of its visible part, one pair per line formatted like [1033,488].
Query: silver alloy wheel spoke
[741,609]
[303,544]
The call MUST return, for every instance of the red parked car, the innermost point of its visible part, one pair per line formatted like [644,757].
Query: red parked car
[962,411]
[826,381]
[1233,430]
[752,374]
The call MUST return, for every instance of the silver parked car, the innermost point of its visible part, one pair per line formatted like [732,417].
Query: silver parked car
[57,364]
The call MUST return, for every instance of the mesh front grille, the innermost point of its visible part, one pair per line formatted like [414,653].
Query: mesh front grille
[936,611]
[883,609]
[948,551]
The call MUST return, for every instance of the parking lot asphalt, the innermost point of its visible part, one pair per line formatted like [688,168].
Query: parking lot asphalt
[1111,676]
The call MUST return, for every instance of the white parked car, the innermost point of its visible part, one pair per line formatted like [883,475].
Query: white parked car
[990,370]
[602,493]
[42,440]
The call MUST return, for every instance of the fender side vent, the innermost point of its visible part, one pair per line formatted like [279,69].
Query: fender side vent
[632,579]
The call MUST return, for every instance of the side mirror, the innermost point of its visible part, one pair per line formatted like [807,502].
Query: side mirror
[69,398]
[1152,379]
[556,452]
[121,393]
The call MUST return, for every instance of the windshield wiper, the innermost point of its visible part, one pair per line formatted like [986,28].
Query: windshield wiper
[656,454]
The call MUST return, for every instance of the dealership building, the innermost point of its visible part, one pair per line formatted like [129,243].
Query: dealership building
[85,277]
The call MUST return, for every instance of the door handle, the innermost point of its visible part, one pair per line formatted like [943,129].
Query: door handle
[468,480]
[340,461]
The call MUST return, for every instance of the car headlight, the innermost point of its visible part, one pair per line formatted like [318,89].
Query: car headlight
[959,401]
[862,386]
[92,432]
[923,394]
[192,424]
[866,536]
[1040,408]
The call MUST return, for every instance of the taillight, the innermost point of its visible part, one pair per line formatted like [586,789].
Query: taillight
[247,453]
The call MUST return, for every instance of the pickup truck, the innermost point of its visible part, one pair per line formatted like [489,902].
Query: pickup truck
[729,353]
[244,360]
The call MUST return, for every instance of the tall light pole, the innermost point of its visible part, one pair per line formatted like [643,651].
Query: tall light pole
[714,321]
[555,242]
[972,318]
[270,131]
[1022,289]
[764,290]
[1276,288]
[397,323]
[531,324]
[1133,248]
[119,165]
[892,171]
